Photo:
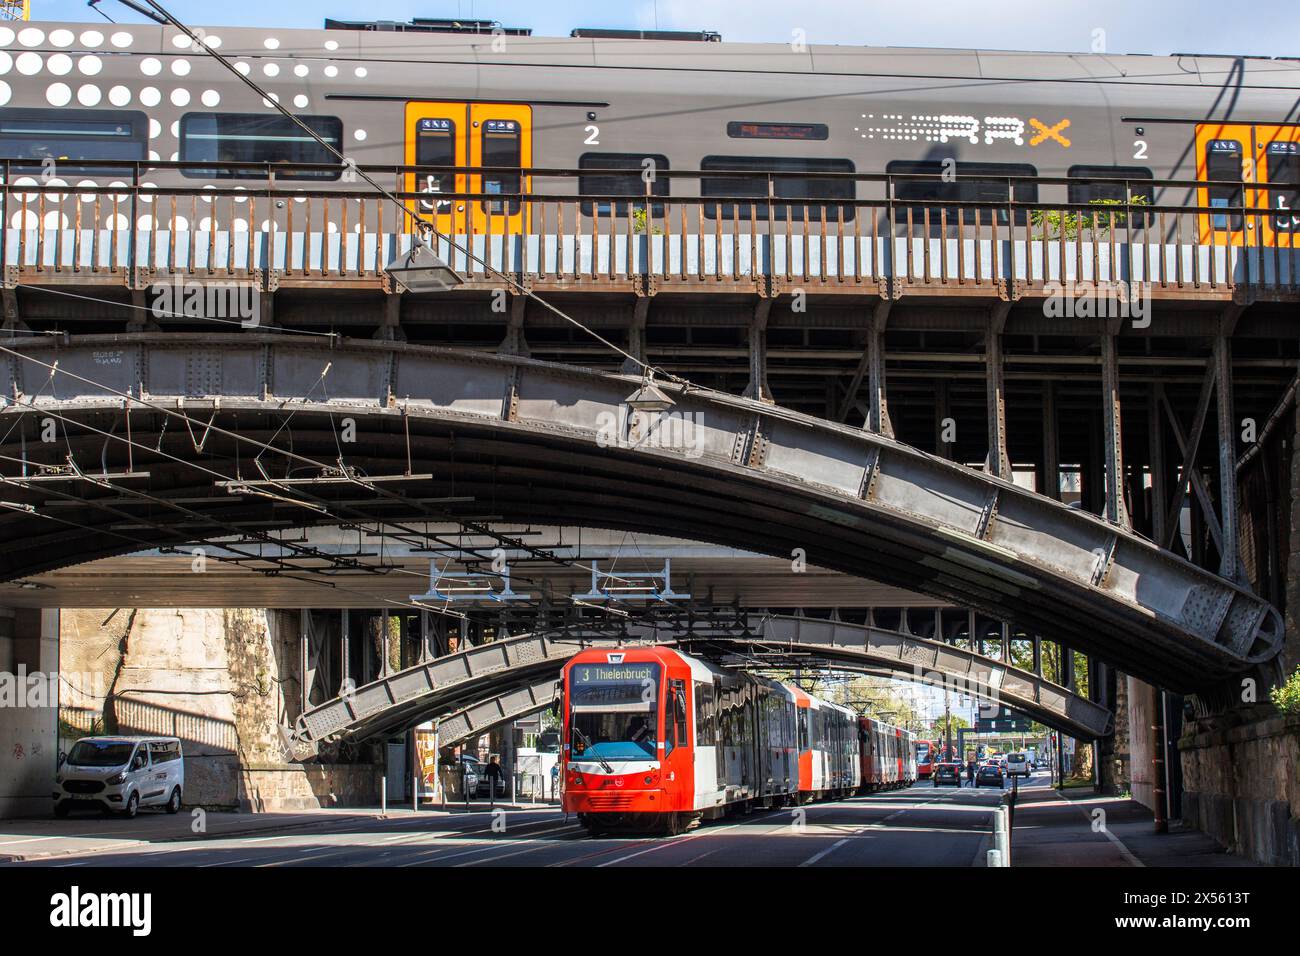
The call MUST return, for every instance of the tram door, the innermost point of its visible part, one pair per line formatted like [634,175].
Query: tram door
[492,135]
[1235,153]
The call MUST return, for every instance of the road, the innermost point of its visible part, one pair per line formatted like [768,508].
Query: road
[922,825]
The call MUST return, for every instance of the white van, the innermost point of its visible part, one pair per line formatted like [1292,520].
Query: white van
[121,774]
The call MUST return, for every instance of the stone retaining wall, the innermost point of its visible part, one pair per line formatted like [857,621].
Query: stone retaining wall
[1242,787]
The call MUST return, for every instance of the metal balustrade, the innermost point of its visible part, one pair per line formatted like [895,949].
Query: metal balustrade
[134,231]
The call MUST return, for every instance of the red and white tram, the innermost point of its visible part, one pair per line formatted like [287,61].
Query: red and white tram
[654,738]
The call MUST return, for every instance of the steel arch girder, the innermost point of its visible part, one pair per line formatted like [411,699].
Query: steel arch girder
[967,536]
[474,677]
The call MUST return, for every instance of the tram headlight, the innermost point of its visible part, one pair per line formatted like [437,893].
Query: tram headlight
[649,780]
[577,780]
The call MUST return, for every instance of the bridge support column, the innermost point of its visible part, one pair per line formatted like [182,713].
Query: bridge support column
[304,636]
[345,652]
[1230,554]
[636,337]
[1116,510]
[1051,473]
[514,342]
[758,387]
[998,463]
[1038,655]
[872,367]
[942,412]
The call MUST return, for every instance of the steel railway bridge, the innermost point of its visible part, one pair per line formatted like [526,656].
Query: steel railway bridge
[1147,544]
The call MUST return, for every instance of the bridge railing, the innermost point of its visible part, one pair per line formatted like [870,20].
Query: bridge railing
[858,233]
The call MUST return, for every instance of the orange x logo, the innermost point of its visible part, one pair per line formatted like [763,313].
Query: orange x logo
[1044,133]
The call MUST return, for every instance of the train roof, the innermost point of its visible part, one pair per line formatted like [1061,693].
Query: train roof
[612,52]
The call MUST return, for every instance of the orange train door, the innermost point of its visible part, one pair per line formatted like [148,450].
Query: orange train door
[501,141]
[1277,162]
[436,135]
[1225,153]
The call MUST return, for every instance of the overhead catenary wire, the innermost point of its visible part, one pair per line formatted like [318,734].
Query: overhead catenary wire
[422,224]
[263,447]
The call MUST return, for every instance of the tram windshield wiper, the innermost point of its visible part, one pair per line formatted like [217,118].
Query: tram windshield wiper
[604,764]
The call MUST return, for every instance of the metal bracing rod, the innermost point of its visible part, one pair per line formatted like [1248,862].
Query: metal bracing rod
[163,529]
[367,484]
[1230,565]
[1276,416]
[871,365]
[1193,476]
[1116,510]
[1190,449]
[304,551]
[998,463]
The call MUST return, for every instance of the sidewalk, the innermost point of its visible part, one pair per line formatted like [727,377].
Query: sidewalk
[87,832]
[1064,829]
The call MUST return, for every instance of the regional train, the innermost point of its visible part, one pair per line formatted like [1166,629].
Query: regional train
[441,95]
[655,739]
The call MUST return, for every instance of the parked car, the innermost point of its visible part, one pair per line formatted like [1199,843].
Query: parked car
[989,775]
[1017,765]
[947,773]
[473,768]
[121,774]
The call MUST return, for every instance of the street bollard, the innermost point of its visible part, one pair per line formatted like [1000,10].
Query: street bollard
[383,795]
[994,858]
[1000,841]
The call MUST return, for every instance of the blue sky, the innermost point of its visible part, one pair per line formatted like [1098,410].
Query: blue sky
[1267,27]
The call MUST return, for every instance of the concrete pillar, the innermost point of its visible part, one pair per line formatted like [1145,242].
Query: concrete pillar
[29,734]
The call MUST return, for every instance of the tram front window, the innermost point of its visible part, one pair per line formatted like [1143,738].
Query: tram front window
[613,711]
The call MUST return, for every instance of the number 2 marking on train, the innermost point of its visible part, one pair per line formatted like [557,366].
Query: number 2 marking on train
[1139,149]
[592,133]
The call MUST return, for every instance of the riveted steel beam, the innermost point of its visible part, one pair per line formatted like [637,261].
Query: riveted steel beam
[714,467]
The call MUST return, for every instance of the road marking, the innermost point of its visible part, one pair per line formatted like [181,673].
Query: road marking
[817,856]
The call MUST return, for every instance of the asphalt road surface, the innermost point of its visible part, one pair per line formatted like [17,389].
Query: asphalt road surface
[920,826]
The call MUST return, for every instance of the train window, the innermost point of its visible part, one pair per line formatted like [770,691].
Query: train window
[68,137]
[1090,192]
[1223,164]
[255,138]
[995,188]
[678,715]
[628,183]
[787,183]
[704,714]
[435,145]
[1283,166]
[501,149]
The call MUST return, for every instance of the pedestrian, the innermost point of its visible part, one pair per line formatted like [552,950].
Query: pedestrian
[970,772]
[496,777]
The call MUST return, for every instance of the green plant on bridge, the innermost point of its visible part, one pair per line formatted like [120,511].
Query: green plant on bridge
[639,219]
[1286,696]
[1051,223]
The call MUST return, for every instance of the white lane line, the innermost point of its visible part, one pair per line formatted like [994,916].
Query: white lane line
[532,846]
[660,846]
[483,848]
[817,856]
